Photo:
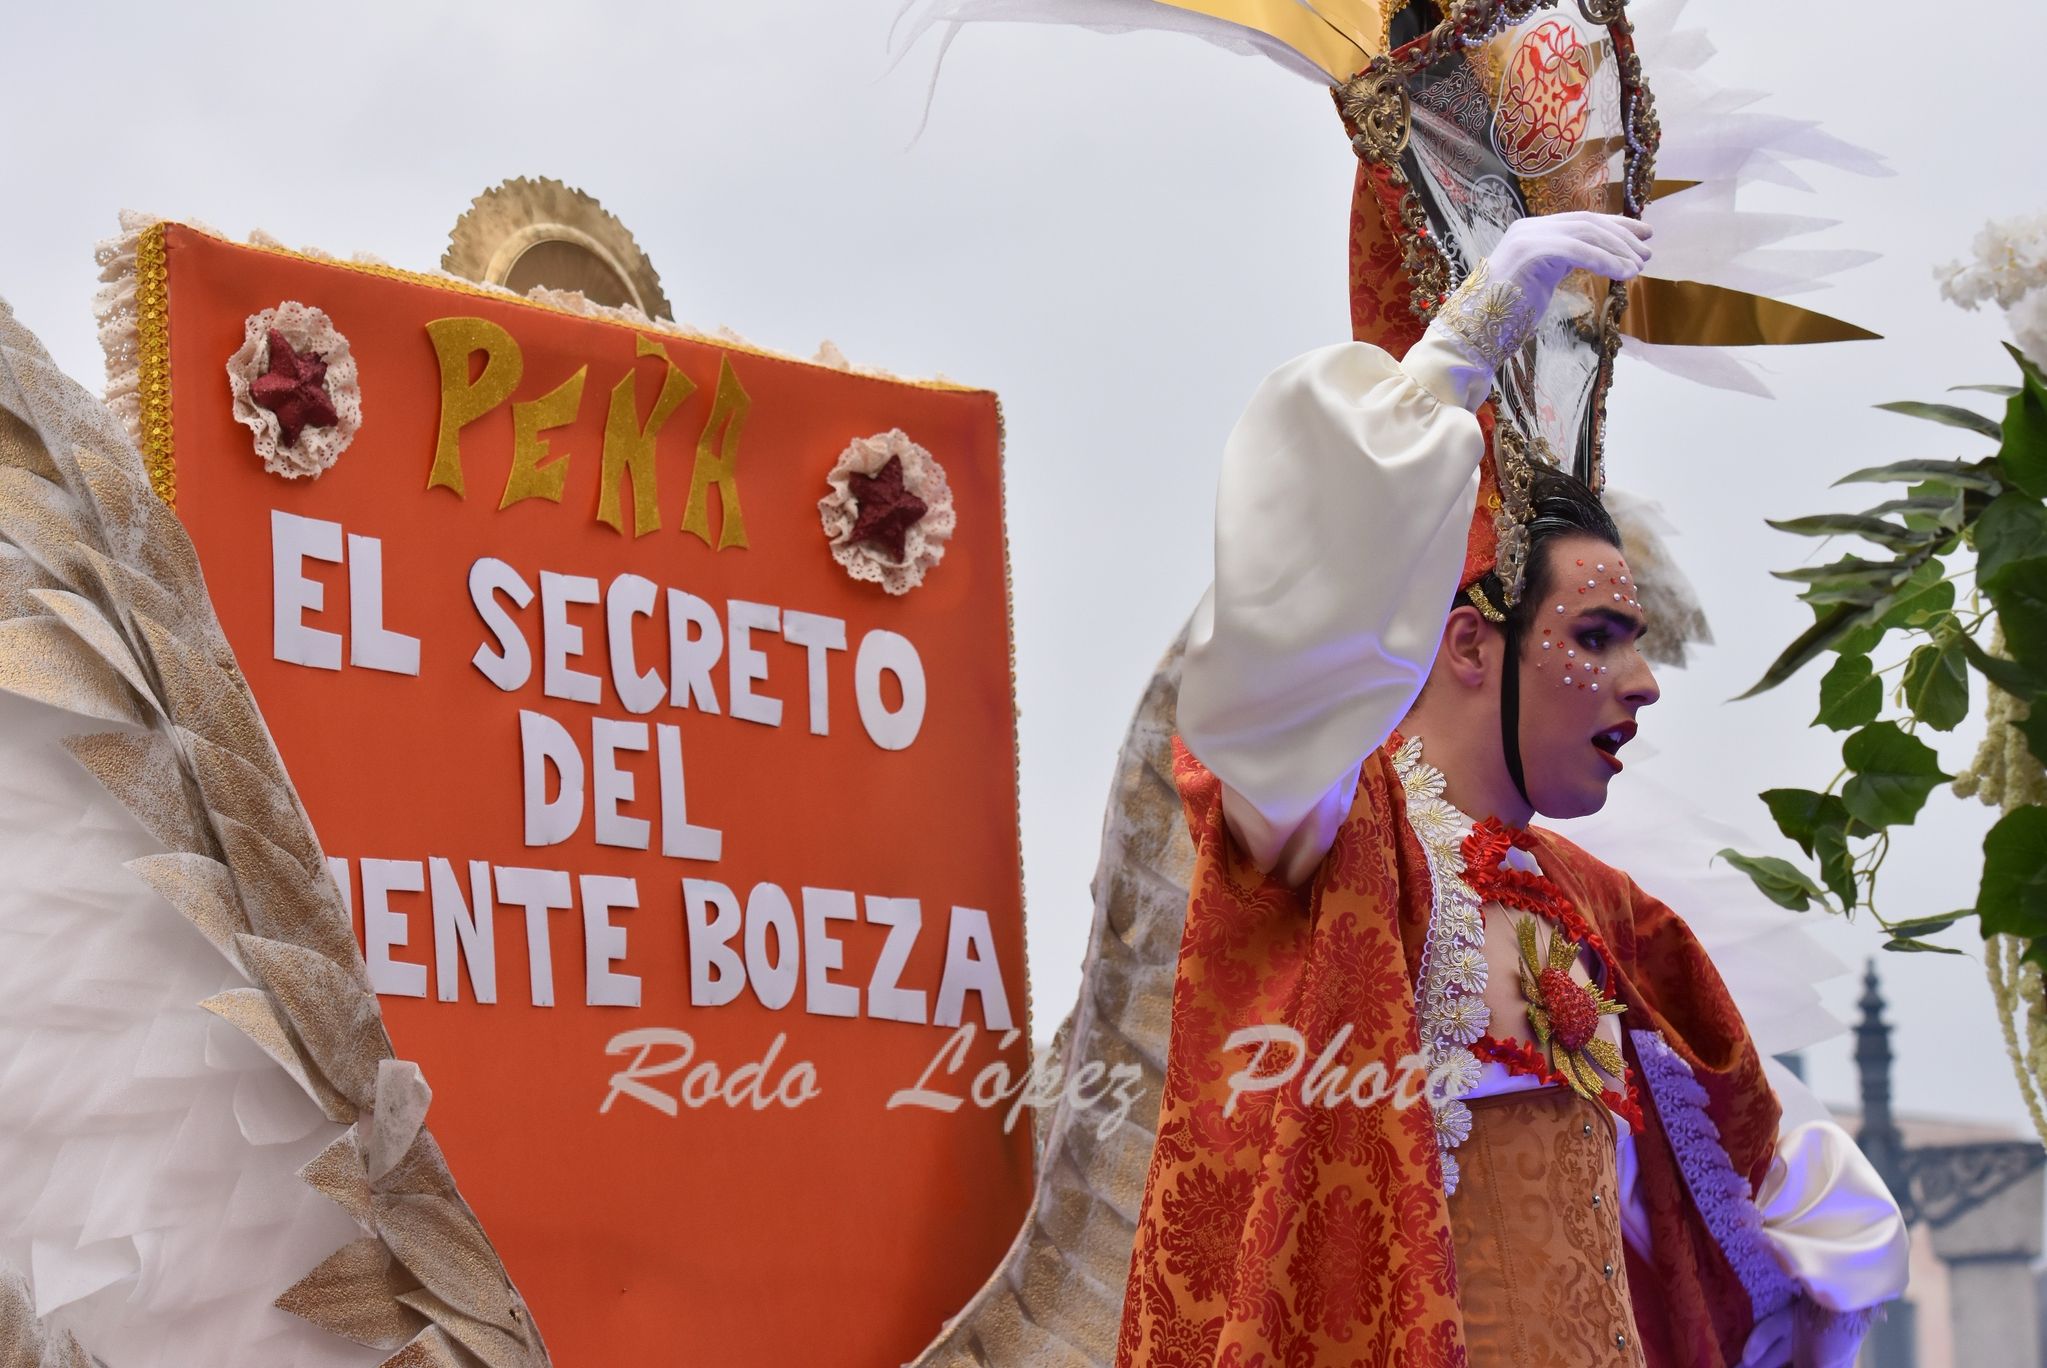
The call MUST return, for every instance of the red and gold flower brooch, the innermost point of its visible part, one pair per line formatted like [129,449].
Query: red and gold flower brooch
[1565,1013]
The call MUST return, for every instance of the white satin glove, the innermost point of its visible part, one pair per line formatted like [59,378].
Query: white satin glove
[1487,318]
[1536,253]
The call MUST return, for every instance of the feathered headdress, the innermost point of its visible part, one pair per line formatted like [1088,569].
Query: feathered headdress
[1469,114]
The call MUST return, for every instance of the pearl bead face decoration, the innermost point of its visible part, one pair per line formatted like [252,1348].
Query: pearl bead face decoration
[1623,583]
[1584,672]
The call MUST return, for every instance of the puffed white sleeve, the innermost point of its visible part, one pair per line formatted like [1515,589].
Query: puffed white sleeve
[1341,518]
[1831,1222]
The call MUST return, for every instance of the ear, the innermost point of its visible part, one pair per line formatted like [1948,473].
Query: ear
[1468,642]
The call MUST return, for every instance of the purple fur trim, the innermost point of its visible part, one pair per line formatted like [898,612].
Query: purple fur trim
[1722,1195]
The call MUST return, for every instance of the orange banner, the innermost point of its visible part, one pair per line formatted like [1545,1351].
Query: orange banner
[685,864]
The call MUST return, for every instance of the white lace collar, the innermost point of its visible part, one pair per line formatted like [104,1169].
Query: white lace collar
[1450,993]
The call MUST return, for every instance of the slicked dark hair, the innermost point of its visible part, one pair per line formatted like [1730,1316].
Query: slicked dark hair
[1562,505]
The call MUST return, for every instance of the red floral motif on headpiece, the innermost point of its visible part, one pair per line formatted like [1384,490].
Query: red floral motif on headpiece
[1545,101]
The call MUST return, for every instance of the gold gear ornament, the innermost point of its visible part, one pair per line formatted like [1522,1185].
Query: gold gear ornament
[522,233]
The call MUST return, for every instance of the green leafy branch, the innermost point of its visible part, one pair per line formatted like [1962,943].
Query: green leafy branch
[1983,522]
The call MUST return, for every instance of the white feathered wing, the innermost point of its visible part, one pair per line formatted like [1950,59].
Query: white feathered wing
[186,1027]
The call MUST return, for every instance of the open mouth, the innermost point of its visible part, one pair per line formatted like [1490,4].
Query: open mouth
[1609,742]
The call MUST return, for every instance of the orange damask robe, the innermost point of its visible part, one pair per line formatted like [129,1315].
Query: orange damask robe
[1308,1235]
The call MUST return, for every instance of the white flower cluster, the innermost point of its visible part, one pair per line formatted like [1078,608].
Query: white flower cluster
[2010,268]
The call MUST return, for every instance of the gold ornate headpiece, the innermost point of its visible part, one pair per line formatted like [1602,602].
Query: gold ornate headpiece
[1468,114]
[1483,111]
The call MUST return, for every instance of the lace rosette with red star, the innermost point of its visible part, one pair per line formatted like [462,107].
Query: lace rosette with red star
[889,513]
[294,385]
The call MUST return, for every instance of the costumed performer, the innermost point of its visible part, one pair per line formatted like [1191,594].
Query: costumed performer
[1594,1173]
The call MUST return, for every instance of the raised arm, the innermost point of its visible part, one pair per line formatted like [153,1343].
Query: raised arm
[1341,517]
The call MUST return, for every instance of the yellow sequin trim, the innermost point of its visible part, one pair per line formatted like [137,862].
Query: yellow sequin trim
[1393,9]
[456,285]
[1016,753]
[1477,595]
[153,361]
[153,336]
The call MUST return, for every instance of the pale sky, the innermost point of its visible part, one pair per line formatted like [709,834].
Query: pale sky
[1120,235]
